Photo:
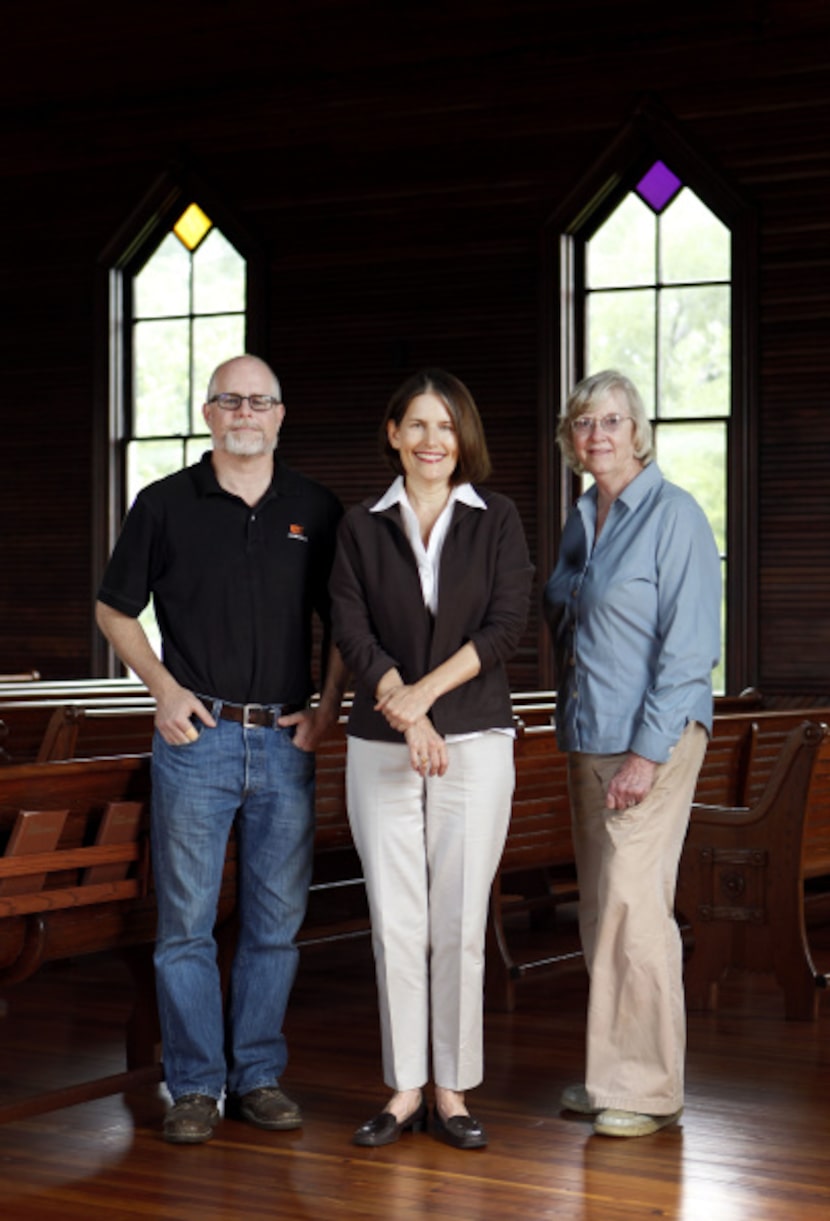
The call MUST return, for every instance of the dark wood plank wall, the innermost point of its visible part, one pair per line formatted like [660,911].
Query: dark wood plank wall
[397,164]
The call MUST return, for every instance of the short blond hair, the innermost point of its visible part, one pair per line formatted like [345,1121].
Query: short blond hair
[582,398]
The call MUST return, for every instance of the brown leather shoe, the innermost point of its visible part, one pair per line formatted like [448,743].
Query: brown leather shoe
[191,1120]
[265,1107]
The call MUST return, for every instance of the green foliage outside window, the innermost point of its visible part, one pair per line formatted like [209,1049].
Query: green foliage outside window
[658,308]
[188,316]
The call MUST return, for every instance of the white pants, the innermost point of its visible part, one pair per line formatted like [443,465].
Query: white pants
[429,850]
[627,868]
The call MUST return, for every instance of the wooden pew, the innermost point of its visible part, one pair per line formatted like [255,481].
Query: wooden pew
[748,700]
[86,731]
[744,865]
[72,913]
[21,734]
[100,896]
[534,712]
[98,722]
[537,869]
[68,688]
[537,866]
[44,922]
[539,707]
[337,887]
[337,906]
[41,730]
[86,896]
[80,723]
[84,786]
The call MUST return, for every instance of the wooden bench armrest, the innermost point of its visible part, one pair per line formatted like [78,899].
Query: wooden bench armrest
[778,785]
[709,812]
[534,731]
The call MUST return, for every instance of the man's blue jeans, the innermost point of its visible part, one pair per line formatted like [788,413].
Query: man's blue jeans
[258,777]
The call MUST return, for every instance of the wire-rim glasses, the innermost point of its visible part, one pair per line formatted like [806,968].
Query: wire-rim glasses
[583,425]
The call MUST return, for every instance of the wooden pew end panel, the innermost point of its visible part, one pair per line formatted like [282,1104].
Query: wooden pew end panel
[740,885]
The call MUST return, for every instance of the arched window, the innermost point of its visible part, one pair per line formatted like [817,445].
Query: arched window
[653,275]
[657,306]
[188,313]
[182,289]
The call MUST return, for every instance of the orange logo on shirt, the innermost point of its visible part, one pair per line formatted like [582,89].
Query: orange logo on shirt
[298,532]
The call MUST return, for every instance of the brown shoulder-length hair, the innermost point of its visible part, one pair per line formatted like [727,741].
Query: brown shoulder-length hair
[473,464]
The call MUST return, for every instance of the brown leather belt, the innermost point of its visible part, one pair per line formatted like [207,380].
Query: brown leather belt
[249,715]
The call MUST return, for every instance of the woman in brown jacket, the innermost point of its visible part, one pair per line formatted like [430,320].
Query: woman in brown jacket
[430,592]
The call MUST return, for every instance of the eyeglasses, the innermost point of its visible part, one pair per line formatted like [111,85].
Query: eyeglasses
[232,402]
[583,426]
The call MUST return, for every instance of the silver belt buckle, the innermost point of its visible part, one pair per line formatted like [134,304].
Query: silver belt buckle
[247,709]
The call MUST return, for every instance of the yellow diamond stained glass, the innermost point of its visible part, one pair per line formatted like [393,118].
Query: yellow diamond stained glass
[192,226]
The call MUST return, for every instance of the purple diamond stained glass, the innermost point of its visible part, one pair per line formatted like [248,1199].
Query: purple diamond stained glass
[659,186]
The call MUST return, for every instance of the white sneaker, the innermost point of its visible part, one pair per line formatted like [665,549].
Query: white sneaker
[575,1098]
[631,1123]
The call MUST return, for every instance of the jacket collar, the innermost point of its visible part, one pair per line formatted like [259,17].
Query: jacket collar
[465,493]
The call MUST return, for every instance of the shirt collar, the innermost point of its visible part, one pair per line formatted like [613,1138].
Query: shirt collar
[283,480]
[396,493]
[635,491]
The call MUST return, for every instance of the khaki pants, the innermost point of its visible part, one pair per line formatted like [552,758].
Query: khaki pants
[429,850]
[627,866]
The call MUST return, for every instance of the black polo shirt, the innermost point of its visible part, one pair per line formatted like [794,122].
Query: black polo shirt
[233,586]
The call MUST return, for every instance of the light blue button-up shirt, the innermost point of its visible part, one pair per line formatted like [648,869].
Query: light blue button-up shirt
[635,620]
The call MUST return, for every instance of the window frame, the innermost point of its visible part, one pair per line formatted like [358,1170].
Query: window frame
[650,135]
[123,256]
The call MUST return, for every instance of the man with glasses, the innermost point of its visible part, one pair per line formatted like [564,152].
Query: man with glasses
[236,552]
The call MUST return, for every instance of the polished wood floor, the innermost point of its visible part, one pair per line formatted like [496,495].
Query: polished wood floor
[753,1144]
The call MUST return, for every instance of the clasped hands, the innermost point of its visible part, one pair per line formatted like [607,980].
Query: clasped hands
[405,709]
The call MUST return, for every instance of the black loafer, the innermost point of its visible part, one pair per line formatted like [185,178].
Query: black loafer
[460,1131]
[384,1129]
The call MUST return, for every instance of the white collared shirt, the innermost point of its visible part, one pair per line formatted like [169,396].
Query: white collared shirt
[428,558]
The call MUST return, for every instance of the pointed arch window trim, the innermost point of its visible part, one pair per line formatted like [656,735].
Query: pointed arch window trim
[118,261]
[652,134]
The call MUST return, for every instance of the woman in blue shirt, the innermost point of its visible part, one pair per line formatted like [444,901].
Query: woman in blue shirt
[633,606]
